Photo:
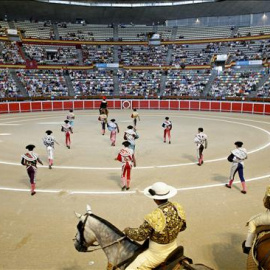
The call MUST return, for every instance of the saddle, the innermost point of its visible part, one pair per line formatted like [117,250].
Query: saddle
[174,261]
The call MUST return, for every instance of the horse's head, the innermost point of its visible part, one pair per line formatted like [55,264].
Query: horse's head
[85,236]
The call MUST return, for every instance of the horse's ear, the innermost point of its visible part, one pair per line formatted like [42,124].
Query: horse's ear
[88,209]
[77,215]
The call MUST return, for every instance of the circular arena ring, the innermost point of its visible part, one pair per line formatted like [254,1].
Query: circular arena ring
[37,231]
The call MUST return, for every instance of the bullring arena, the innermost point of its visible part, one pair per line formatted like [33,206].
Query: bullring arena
[37,231]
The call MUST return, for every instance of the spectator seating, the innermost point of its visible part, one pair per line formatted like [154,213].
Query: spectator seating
[134,33]
[70,31]
[40,30]
[139,83]
[8,87]
[264,91]
[186,83]
[46,83]
[165,32]
[3,27]
[253,31]
[194,54]
[97,54]
[232,83]
[47,54]
[140,55]
[92,82]
[202,32]
[10,53]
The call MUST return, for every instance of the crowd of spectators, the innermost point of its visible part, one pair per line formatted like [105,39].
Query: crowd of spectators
[233,83]
[46,83]
[66,55]
[92,82]
[139,83]
[186,83]
[97,54]
[8,87]
[140,55]
[10,53]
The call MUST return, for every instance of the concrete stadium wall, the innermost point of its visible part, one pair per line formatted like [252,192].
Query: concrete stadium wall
[189,105]
[145,15]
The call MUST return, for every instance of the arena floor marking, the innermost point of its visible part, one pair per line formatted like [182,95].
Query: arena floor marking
[5,134]
[162,166]
[10,124]
[69,192]
[50,123]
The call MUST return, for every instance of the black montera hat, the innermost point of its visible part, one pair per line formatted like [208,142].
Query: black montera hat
[238,143]
[49,132]
[126,143]
[30,147]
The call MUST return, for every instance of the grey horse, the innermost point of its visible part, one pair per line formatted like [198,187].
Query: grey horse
[119,249]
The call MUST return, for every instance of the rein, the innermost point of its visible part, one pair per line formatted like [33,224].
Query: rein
[114,242]
[83,240]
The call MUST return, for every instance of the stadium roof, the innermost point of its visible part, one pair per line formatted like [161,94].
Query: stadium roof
[125,3]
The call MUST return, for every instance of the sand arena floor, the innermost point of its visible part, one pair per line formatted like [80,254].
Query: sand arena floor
[36,232]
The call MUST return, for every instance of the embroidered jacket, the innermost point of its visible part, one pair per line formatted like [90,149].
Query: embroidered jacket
[29,159]
[162,225]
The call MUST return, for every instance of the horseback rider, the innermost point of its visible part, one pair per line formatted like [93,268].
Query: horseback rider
[103,106]
[161,227]
[258,220]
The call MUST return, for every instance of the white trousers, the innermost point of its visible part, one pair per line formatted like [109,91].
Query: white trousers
[153,256]
[50,151]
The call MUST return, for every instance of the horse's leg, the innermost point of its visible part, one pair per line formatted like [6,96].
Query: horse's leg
[251,265]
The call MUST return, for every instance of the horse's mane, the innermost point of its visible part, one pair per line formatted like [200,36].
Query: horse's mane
[111,226]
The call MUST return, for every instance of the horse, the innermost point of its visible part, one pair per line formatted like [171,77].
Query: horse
[119,249]
[259,255]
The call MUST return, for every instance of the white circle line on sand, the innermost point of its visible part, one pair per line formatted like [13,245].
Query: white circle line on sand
[126,192]
[158,166]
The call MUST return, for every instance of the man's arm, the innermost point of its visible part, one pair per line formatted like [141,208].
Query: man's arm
[39,161]
[141,233]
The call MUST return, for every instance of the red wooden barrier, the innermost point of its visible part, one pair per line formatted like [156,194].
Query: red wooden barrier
[194,105]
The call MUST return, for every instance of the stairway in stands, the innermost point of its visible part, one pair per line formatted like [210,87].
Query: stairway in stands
[55,31]
[262,81]
[115,60]
[69,84]
[210,82]
[18,82]
[11,25]
[168,61]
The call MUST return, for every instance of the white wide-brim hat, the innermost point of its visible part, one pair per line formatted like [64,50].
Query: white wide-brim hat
[160,191]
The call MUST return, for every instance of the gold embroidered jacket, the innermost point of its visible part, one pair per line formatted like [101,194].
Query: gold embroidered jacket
[162,225]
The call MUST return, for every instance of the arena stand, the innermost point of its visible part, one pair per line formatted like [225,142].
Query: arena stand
[139,82]
[35,29]
[142,55]
[97,54]
[264,91]
[46,83]
[92,82]
[8,87]
[186,83]
[71,31]
[235,83]
[142,69]
[48,54]
[10,53]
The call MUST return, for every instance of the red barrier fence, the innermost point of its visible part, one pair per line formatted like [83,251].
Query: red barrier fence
[189,105]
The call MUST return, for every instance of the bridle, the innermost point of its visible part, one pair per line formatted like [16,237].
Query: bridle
[83,246]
